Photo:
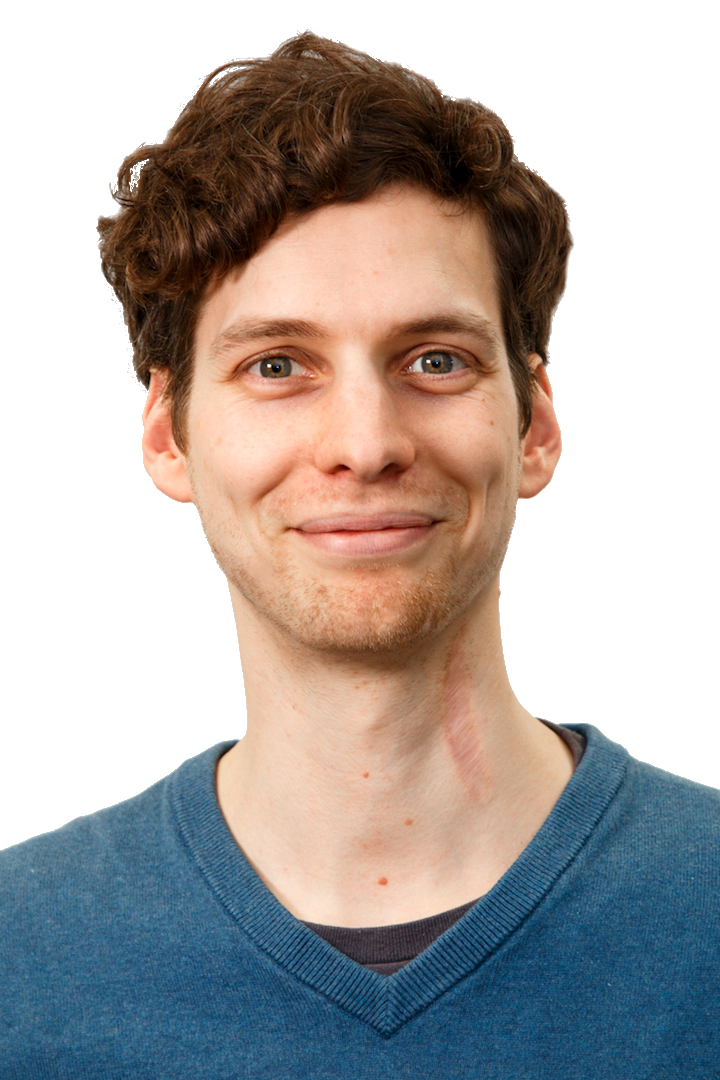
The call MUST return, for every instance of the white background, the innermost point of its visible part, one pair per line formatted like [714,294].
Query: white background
[119,649]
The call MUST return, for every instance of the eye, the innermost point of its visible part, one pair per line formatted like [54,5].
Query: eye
[437,363]
[276,367]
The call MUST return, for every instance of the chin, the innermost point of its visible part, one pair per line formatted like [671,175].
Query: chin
[367,611]
[367,621]
[372,615]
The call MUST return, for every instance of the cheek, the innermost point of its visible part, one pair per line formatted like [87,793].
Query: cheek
[476,441]
[238,457]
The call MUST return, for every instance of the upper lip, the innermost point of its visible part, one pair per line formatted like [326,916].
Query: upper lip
[366,522]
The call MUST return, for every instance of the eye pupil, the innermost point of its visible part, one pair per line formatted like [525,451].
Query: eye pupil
[276,367]
[440,363]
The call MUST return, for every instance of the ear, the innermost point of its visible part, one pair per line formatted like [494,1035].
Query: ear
[542,445]
[161,457]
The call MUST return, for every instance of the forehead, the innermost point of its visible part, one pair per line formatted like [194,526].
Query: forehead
[359,268]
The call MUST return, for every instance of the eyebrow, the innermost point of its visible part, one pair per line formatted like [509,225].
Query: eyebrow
[451,323]
[247,330]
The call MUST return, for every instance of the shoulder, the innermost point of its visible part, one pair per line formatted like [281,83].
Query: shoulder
[660,791]
[94,911]
[660,829]
[57,871]
[667,786]
[672,801]
[678,814]
[95,857]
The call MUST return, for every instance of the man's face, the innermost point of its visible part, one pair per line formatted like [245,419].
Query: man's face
[352,425]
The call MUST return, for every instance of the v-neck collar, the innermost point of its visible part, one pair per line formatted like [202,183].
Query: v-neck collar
[387,1002]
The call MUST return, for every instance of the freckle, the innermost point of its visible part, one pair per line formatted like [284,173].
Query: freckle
[492,423]
[382,881]
[366,774]
[408,821]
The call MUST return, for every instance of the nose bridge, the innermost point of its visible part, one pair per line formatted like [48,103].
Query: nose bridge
[361,426]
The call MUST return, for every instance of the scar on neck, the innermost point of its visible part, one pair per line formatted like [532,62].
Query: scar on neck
[460,726]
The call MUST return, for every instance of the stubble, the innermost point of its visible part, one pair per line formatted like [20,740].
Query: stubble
[364,608]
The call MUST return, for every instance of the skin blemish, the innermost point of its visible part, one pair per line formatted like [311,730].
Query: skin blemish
[366,774]
[408,821]
[382,881]
[460,730]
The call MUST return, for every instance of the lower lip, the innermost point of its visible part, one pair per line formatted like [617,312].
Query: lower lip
[375,542]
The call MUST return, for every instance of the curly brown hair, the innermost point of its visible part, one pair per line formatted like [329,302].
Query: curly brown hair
[315,123]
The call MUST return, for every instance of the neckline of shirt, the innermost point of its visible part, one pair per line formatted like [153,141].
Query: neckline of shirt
[387,1003]
[388,948]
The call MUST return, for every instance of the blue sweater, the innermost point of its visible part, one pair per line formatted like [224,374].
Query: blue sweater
[139,943]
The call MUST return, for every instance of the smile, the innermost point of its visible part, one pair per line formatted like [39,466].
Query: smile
[356,535]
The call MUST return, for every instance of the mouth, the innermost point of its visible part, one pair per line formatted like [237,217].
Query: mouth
[366,534]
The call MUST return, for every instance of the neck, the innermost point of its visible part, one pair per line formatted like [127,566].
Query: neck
[374,790]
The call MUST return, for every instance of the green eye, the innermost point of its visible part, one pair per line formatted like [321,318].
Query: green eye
[276,367]
[437,363]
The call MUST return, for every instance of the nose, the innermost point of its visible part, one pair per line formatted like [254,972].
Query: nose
[361,430]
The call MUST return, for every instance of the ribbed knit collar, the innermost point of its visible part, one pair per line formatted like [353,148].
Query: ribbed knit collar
[386,1003]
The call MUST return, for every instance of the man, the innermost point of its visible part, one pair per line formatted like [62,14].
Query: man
[339,287]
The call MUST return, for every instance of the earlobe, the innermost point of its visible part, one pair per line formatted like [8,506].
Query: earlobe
[543,443]
[164,462]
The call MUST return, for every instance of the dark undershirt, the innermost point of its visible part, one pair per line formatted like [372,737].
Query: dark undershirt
[386,949]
